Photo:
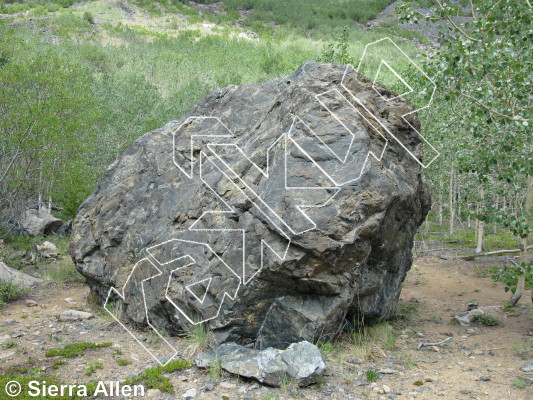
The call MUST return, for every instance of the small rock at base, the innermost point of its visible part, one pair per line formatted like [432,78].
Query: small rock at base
[484,378]
[387,371]
[74,315]
[189,394]
[31,303]
[527,367]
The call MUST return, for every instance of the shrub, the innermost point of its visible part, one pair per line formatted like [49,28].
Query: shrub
[9,292]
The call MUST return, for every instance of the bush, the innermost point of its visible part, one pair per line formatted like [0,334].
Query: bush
[10,292]
[486,319]
[87,16]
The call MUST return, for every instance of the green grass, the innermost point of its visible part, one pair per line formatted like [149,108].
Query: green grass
[122,362]
[72,350]
[142,75]
[10,292]
[519,383]
[308,14]
[63,271]
[487,320]
[326,348]
[367,342]
[57,363]
[8,344]
[197,338]
[38,6]
[464,237]
[371,375]
[153,378]
[214,369]
[92,367]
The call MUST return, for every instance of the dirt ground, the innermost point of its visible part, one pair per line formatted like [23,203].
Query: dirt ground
[479,362]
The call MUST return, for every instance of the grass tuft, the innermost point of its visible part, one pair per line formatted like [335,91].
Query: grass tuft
[153,378]
[10,292]
[486,319]
[72,350]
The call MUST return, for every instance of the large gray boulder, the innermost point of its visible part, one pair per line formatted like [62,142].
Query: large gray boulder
[287,207]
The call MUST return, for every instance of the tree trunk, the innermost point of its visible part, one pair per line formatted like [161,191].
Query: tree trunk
[451,205]
[480,224]
[523,249]
[529,206]
[496,203]
[441,200]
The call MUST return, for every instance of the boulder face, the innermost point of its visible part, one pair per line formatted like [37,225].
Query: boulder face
[271,212]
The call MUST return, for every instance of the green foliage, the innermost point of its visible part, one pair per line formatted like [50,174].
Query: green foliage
[214,369]
[408,310]
[64,271]
[57,363]
[371,375]
[153,378]
[123,362]
[47,110]
[72,350]
[309,14]
[92,367]
[338,52]
[87,16]
[197,337]
[10,292]
[519,383]
[509,275]
[482,114]
[486,319]
[8,344]
[326,348]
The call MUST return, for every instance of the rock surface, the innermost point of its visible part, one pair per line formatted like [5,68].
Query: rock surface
[18,278]
[300,362]
[39,222]
[185,207]
[74,315]
[466,318]
[47,248]
[527,367]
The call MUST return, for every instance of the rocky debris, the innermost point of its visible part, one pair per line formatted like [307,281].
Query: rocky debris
[301,362]
[48,249]
[70,301]
[527,367]
[189,394]
[387,371]
[466,318]
[18,278]
[39,222]
[351,265]
[74,315]
[65,229]
[31,303]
